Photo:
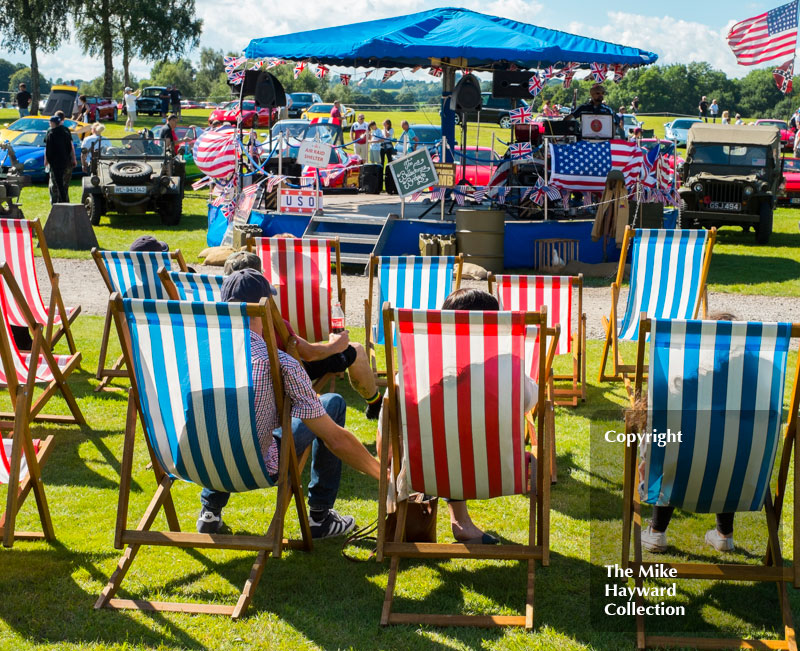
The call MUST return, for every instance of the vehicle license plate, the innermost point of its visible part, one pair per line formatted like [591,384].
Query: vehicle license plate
[794,200]
[130,189]
[724,205]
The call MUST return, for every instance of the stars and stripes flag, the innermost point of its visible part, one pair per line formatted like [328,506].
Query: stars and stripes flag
[584,166]
[231,63]
[598,71]
[298,68]
[416,196]
[783,76]
[435,72]
[321,71]
[252,189]
[206,180]
[364,78]
[552,192]
[387,75]
[460,194]
[520,151]
[522,115]
[535,84]
[768,36]
[502,193]
[500,175]
[620,70]
[215,152]
[273,180]
[437,194]
[480,193]
[344,80]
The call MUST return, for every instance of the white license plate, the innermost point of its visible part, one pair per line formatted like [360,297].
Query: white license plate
[130,189]
[794,200]
[724,205]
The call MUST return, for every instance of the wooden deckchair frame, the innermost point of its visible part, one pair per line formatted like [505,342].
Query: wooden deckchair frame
[623,372]
[56,301]
[538,546]
[570,395]
[23,444]
[773,568]
[272,543]
[369,344]
[59,381]
[105,375]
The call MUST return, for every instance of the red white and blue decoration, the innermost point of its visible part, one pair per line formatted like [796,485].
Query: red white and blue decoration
[584,166]
[321,71]
[598,71]
[298,68]
[535,84]
[387,75]
[522,115]
[520,151]
[783,77]
[344,80]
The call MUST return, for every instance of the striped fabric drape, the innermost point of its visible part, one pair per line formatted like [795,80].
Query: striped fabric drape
[193,373]
[413,282]
[719,384]
[666,270]
[197,287]
[300,271]
[5,460]
[461,394]
[134,274]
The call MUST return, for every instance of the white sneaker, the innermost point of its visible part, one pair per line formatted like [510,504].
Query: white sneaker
[654,541]
[718,541]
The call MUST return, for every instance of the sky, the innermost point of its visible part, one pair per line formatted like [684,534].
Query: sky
[692,31]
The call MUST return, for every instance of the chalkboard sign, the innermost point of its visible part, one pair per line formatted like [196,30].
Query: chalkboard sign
[413,172]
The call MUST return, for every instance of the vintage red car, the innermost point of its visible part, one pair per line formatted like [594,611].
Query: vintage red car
[790,188]
[787,134]
[341,172]
[476,165]
[229,113]
[100,108]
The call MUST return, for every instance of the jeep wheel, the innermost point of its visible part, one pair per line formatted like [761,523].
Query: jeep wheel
[170,209]
[683,221]
[764,226]
[505,122]
[130,172]
[95,207]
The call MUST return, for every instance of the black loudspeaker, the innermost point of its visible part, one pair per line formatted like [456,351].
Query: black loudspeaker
[388,182]
[264,87]
[528,133]
[369,179]
[511,83]
[467,94]
[560,127]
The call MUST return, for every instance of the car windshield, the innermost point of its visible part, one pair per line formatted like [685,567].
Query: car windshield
[780,124]
[320,108]
[427,135]
[249,105]
[151,92]
[630,121]
[131,147]
[302,97]
[736,155]
[684,124]
[325,132]
[791,164]
[290,129]
[480,157]
[231,106]
[36,124]
[29,139]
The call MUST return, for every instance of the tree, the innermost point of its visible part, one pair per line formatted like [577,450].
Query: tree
[23,76]
[208,72]
[6,70]
[33,25]
[179,73]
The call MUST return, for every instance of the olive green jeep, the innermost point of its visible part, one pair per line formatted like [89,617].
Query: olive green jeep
[731,178]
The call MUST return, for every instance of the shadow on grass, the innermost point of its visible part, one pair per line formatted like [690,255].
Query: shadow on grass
[738,269]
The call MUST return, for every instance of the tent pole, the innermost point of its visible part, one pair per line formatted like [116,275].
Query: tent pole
[442,158]
[448,115]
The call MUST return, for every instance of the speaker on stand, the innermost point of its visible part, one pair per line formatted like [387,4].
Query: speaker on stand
[466,97]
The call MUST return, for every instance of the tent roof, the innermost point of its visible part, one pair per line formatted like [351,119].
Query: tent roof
[444,33]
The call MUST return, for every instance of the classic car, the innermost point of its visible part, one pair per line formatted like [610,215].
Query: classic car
[322,113]
[787,135]
[678,130]
[29,148]
[39,123]
[229,113]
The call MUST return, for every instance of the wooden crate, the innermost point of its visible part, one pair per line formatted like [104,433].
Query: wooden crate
[552,254]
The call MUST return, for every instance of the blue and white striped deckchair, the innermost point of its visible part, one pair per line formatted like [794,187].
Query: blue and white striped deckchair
[192,387]
[131,274]
[195,287]
[667,281]
[412,282]
[715,398]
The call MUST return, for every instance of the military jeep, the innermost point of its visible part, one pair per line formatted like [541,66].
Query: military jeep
[731,178]
[134,175]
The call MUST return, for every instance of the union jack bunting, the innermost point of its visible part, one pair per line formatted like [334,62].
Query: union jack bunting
[364,78]
[321,71]
[520,151]
[387,75]
[275,62]
[620,71]
[783,76]
[537,192]
[568,79]
[344,80]
[236,78]
[569,69]
[435,72]
[480,194]
[201,183]
[257,65]
[598,71]
[548,72]
[273,180]
[535,84]
[231,63]
[298,68]
[522,115]
[229,209]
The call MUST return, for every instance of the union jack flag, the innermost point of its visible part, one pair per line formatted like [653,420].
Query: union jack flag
[364,78]
[598,71]
[568,79]
[236,78]
[435,72]
[548,72]
[520,151]
[344,80]
[387,75]
[569,69]
[522,115]
[783,77]
[231,63]
[620,71]
[257,65]
[229,209]
[275,62]
[321,71]
[537,192]
[535,84]
[298,68]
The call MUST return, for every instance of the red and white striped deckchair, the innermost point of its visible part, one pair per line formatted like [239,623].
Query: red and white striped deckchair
[456,418]
[300,270]
[17,251]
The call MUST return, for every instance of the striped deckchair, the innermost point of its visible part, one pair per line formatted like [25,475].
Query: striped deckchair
[192,391]
[528,293]
[17,251]
[721,386]
[50,370]
[300,270]
[668,276]
[132,274]
[413,282]
[459,427]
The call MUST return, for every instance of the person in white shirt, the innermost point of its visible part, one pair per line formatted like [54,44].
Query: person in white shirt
[92,143]
[359,132]
[130,106]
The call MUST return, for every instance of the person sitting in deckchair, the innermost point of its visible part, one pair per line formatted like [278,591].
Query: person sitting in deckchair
[316,420]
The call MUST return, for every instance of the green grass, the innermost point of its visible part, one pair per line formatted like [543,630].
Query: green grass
[320,600]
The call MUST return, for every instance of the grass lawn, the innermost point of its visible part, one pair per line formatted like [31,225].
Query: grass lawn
[322,601]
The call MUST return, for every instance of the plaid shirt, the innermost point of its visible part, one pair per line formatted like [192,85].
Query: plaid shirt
[305,402]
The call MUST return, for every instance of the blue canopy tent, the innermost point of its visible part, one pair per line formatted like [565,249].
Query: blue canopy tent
[449,38]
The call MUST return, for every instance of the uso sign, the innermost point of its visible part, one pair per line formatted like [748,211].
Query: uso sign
[299,201]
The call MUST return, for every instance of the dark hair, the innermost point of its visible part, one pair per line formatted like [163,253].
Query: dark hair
[82,98]
[59,114]
[467,298]
[722,316]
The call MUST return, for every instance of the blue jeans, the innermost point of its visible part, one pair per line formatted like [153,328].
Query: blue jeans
[326,467]
[24,112]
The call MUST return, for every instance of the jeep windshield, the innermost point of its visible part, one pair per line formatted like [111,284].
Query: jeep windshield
[131,148]
[730,155]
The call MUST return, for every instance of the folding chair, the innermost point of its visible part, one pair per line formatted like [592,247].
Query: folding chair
[669,269]
[456,420]
[133,274]
[300,270]
[413,282]
[526,293]
[15,366]
[17,251]
[719,384]
[21,459]
[192,391]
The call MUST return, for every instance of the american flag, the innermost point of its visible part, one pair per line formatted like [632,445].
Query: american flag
[598,71]
[257,65]
[206,180]
[215,153]
[388,75]
[252,189]
[783,76]
[321,71]
[524,194]
[535,84]
[298,68]
[416,196]
[344,80]
[364,78]
[520,151]
[435,72]
[273,180]
[522,115]
[231,63]
[500,175]
[480,194]
[552,192]
[501,194]
[584,166]
[460,193]
[768,36]
[620,71]
[437,193]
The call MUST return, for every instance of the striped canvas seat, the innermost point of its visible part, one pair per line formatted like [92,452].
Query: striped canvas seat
[197,287]
[721,385]
[5,460]
[134,274]
[300,271]
[192,366]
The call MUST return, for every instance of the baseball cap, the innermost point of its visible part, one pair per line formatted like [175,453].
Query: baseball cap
[246,286]
[55,118]
[148,243]
[241,260]
[128,88]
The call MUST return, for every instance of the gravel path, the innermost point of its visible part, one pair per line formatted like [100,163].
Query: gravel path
[81,283]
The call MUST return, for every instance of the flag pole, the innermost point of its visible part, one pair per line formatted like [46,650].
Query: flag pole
[443,158]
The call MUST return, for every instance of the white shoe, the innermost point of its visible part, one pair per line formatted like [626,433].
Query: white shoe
[654,541]
[718,541]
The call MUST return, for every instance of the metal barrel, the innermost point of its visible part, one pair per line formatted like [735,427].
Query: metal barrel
[479,235]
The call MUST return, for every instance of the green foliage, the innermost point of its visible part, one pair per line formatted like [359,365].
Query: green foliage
[180,73]
[95,86]
[6,70]
[23,76]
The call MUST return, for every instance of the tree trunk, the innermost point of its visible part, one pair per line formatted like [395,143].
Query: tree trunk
[126,60]
[108,51]
[34,78]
